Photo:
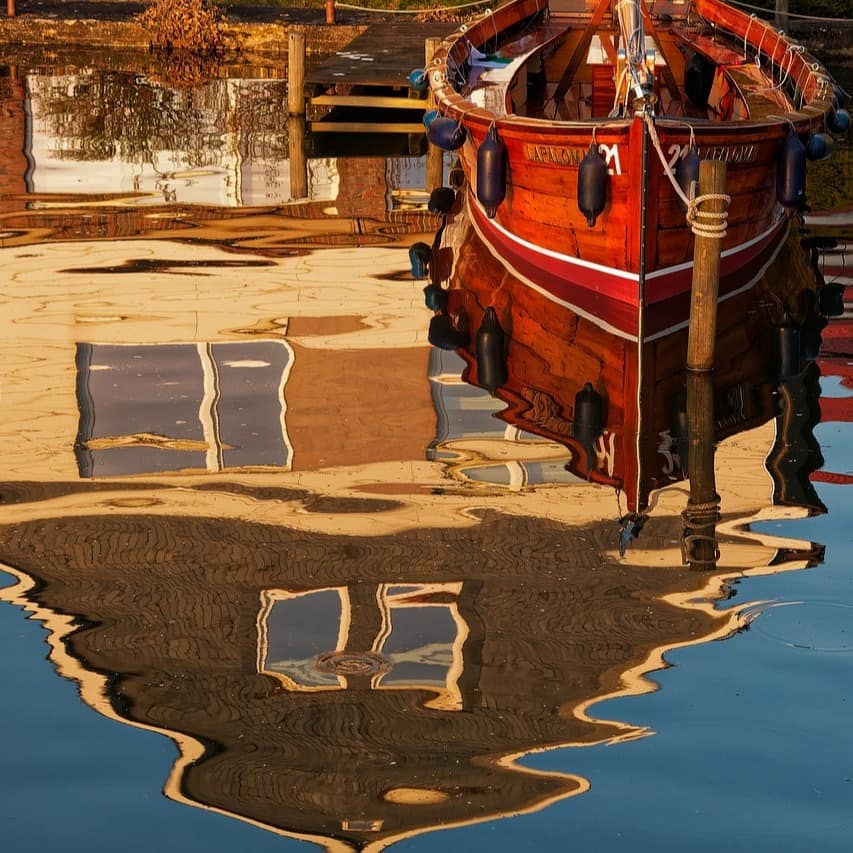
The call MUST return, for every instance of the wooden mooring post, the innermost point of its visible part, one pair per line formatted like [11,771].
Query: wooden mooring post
[781,16]
[10,8]
[296,72]
[435,156]
[699,541]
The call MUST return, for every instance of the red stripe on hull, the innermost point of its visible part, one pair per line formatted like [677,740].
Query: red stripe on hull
[610,297]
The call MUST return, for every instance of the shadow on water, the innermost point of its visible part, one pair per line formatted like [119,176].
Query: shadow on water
[256,512]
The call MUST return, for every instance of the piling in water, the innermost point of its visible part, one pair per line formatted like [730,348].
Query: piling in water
[699,542]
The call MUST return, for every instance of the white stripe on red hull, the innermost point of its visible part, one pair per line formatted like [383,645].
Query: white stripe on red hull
[610,297]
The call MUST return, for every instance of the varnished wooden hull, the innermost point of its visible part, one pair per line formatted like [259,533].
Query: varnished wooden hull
[630,270]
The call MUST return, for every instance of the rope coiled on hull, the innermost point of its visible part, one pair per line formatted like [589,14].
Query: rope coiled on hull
[705,223]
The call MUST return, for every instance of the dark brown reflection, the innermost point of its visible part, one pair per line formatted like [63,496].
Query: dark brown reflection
[354,688]
[552,358]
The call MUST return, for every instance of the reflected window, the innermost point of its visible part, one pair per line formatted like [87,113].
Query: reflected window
[419,645]
[299,628]
[415,635]
[181,407]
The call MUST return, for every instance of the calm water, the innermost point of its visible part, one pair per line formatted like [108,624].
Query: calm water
[274,575]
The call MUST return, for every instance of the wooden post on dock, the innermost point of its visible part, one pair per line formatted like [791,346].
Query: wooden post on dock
[702,512]
[296,72]
[781,19]
[297,159]
[10,8]
[435,156]
[330,12]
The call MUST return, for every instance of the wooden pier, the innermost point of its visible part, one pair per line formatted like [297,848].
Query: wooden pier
[366,84]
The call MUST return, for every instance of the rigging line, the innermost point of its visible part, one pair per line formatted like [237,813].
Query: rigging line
[792,14]
[746,34]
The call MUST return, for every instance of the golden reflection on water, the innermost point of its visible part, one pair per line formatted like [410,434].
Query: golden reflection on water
[370,633]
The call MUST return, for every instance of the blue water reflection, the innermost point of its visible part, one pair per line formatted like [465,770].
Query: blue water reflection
[71,777]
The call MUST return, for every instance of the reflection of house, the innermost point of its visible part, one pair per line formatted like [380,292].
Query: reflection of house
[348,688]
[354,688]
[161,407]
[470,434]
[402,636]
[206,407]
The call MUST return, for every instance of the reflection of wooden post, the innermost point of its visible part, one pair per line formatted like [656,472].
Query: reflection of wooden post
[435,156]
[702,509]
[298,161]
[296,72]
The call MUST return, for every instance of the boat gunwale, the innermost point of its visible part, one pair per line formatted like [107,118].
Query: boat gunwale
[453,104]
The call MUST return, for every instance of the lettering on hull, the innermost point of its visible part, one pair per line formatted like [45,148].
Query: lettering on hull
[727,153]
[558,155]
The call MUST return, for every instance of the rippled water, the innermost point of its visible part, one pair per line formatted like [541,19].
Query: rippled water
[275,575]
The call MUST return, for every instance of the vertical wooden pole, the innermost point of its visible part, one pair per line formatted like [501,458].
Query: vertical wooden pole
[430,47]
[702,510]
[298,161]
[706,273]
[296,72]
[330,12]
[435,156]
[782,15]
[10,8]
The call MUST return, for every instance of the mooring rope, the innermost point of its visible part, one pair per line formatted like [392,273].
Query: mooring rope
[705,223]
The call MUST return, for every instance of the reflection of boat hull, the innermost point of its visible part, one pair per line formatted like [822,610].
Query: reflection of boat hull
[553,351]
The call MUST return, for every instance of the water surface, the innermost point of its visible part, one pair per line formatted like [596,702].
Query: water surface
[277,575]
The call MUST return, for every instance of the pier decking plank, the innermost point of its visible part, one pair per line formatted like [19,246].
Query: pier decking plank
[383,55]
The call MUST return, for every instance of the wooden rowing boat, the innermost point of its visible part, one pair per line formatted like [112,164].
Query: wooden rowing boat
[579,126]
